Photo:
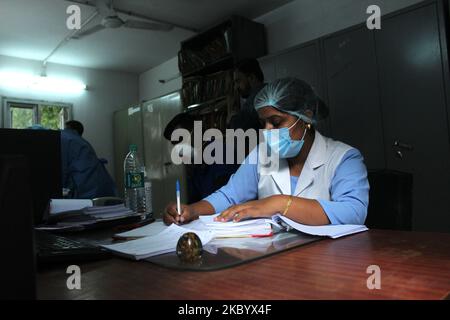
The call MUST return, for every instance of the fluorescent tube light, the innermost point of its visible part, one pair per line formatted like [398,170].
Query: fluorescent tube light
[23,81]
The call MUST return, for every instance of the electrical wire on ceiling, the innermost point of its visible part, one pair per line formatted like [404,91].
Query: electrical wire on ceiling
[69,36]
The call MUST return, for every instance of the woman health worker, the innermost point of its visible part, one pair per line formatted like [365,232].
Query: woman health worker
[318,181]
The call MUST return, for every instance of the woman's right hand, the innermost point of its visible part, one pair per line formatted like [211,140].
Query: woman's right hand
[171,214]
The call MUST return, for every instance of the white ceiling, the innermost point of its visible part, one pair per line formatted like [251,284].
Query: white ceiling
[31,29]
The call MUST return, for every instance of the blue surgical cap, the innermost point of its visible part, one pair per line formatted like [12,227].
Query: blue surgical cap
[292,96]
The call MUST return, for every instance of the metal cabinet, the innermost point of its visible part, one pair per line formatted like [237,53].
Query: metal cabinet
[267,65]
[387,91]
[353,95]
[162,172]
[304,63]
[413,100]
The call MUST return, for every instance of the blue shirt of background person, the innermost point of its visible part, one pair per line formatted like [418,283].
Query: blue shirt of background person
[82,171]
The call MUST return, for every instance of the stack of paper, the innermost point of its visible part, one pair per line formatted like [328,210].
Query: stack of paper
[77,215]
[64,205]
[108,212]
[253,228]
[163,242]
[244,229]
[156,238]
[247,228]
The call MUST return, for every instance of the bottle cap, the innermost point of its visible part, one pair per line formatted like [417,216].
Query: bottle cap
[133,147]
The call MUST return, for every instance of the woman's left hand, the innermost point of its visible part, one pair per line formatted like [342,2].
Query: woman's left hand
[266,207]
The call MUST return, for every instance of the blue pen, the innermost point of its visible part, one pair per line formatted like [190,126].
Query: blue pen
[178,198]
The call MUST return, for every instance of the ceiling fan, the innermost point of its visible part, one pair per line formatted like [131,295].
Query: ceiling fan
[112,20]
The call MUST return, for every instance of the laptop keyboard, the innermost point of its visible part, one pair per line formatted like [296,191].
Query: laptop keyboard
[54,248]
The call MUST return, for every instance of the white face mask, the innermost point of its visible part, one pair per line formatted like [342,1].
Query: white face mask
[280,141]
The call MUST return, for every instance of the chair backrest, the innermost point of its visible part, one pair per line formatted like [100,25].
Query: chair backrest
[390,200]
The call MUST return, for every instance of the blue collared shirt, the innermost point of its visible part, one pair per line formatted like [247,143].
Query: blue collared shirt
[83,172]
[349,190]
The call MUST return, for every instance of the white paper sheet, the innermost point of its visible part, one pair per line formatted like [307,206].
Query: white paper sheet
[148,230]
[332,231]
[219,229]
[62,205]
[209,220]
[164,242]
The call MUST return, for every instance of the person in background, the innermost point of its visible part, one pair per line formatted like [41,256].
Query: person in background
[79,128]
[202,178]
[318,181]
[248,80]
[76,126]
[83,172]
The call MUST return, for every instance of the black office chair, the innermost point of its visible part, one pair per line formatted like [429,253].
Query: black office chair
[390,200]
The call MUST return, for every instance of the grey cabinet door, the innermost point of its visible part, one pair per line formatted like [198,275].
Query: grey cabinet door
[163,174]
[120,146]
[153,140]
[304,63]
[127,130]
[414,111]
[171,106]
[353,95]
[268,68]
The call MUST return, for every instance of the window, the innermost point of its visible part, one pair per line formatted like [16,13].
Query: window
[21,116]
[24,114]
[52,116]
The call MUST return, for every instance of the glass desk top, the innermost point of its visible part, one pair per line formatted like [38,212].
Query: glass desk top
[217,254]
[224,253]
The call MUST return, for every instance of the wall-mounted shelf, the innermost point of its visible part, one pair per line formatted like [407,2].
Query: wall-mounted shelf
[207,60]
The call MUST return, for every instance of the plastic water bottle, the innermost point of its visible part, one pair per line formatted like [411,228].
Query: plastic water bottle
[134,182]
[148,195]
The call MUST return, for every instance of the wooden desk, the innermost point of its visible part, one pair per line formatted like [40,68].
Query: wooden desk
[413,266]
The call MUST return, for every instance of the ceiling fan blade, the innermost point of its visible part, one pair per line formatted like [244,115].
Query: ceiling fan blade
[136,24]
[88,31]
[105,7]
